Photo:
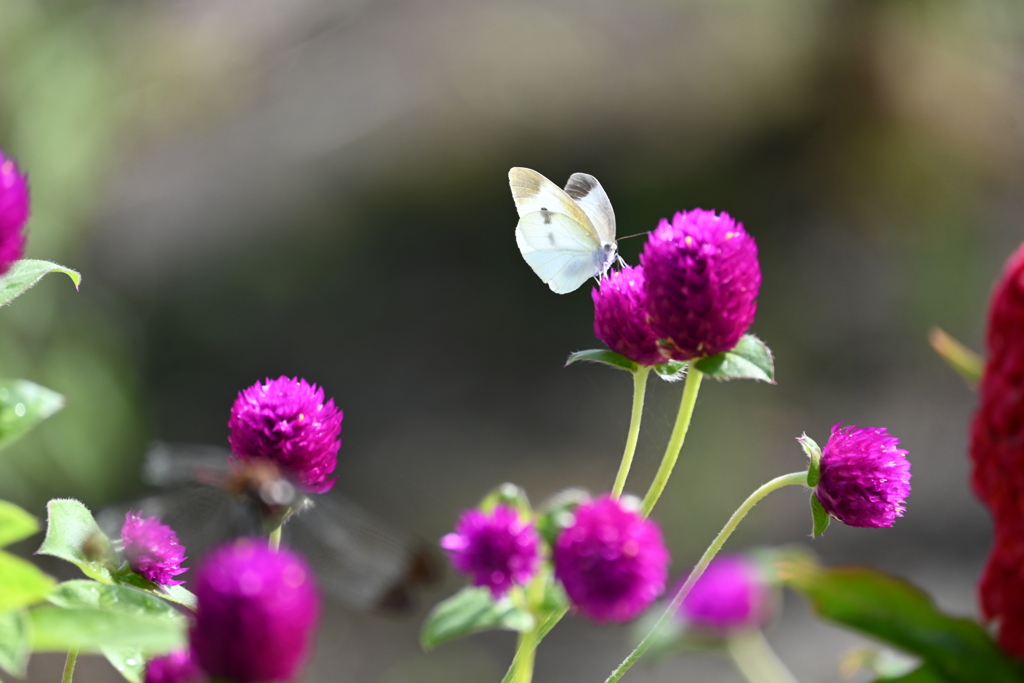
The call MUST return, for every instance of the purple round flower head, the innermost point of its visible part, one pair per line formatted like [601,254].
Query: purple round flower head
[256,613]
[497,550]
[730,595]
[702,279]
[864,477]
[13,212]
[177,667]
[152,549]
[287,421]
[611,561]
[620,316]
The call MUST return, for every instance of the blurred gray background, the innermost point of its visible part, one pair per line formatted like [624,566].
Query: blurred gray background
[318,188]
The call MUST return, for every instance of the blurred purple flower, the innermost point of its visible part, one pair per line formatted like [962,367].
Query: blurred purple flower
[14,208]
[730,595]
[152,549]
[620,316]
[497,550]
[611,561]
[865,477]
[256,613]
[702,279]
[176,667]
[287,421]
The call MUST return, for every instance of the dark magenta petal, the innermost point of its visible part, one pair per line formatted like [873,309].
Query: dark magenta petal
[14,211]
[152,549]
[730,595]
[497,550]
[620,317]
[176,667]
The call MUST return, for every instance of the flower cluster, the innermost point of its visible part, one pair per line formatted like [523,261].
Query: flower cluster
[731,595]
[865,477]
[14,210]
[694,295]
[152,549]
[288,422]
[176,667]
[498,549]
[997,453]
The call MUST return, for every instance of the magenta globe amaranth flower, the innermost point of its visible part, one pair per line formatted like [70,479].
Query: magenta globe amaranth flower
[620,316]
[14,207]
[731,595]
[865,476]
[497,550]
[288,422]
[256,613]
[702,278]
[611,561]
[152,549]
[176,667]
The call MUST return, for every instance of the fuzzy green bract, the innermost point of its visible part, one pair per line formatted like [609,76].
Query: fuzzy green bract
[26,273]
[749,359]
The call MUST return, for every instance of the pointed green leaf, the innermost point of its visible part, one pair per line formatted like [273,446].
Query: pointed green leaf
[672,371]
[615,360]
[23,405]
[130,662]
[957,650]
[469,611]
[814,453]
[819,516]
[55,629]
[27,272]
[22,583]
[177,594]
[15,643]
[15,524]
[749,359]
[508,495]
[73,535]
[81,593]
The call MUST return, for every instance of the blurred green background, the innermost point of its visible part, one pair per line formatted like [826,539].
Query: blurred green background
[318,188]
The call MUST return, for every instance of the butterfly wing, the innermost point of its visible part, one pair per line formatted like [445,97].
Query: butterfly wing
[533,192]
[563,253]
[584,189]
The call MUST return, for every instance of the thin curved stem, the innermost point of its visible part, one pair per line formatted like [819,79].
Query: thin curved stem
[675,442]
[69,666]
[794,479]
[275,539]
[639,389]
[756,659]
[525,654]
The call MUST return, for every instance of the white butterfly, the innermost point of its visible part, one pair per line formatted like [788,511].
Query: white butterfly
[567,236]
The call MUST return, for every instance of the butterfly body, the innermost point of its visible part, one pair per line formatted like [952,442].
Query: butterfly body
[566,236]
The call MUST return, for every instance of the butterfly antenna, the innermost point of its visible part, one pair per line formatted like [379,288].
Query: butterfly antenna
[646,232]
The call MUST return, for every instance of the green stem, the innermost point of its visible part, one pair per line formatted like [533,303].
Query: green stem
[275,539]
[69,666]
[675,442]
[794,479]
[639,389]
[525,652]
[756,659]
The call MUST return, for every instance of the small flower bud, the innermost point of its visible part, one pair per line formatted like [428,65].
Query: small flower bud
[287,421]
[152,549]
[702,278]
[731,595]
[497,550]
[14,208]
[864,477]
[176,667]
[620,316]
[256,613]
[611,561]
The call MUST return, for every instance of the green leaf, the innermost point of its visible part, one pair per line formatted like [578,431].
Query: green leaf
[557,513]
[508,495]
[130,662]
[749,359]
[957,650]
[23,583]
[469,611]
[923,674]
[819,516]
[55,629]
[73,535]
[25,273]
[813,452]
[23,405]
[672,371]
[92,594]
[177,594]
[604,356]
[15,643]
[15,524]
